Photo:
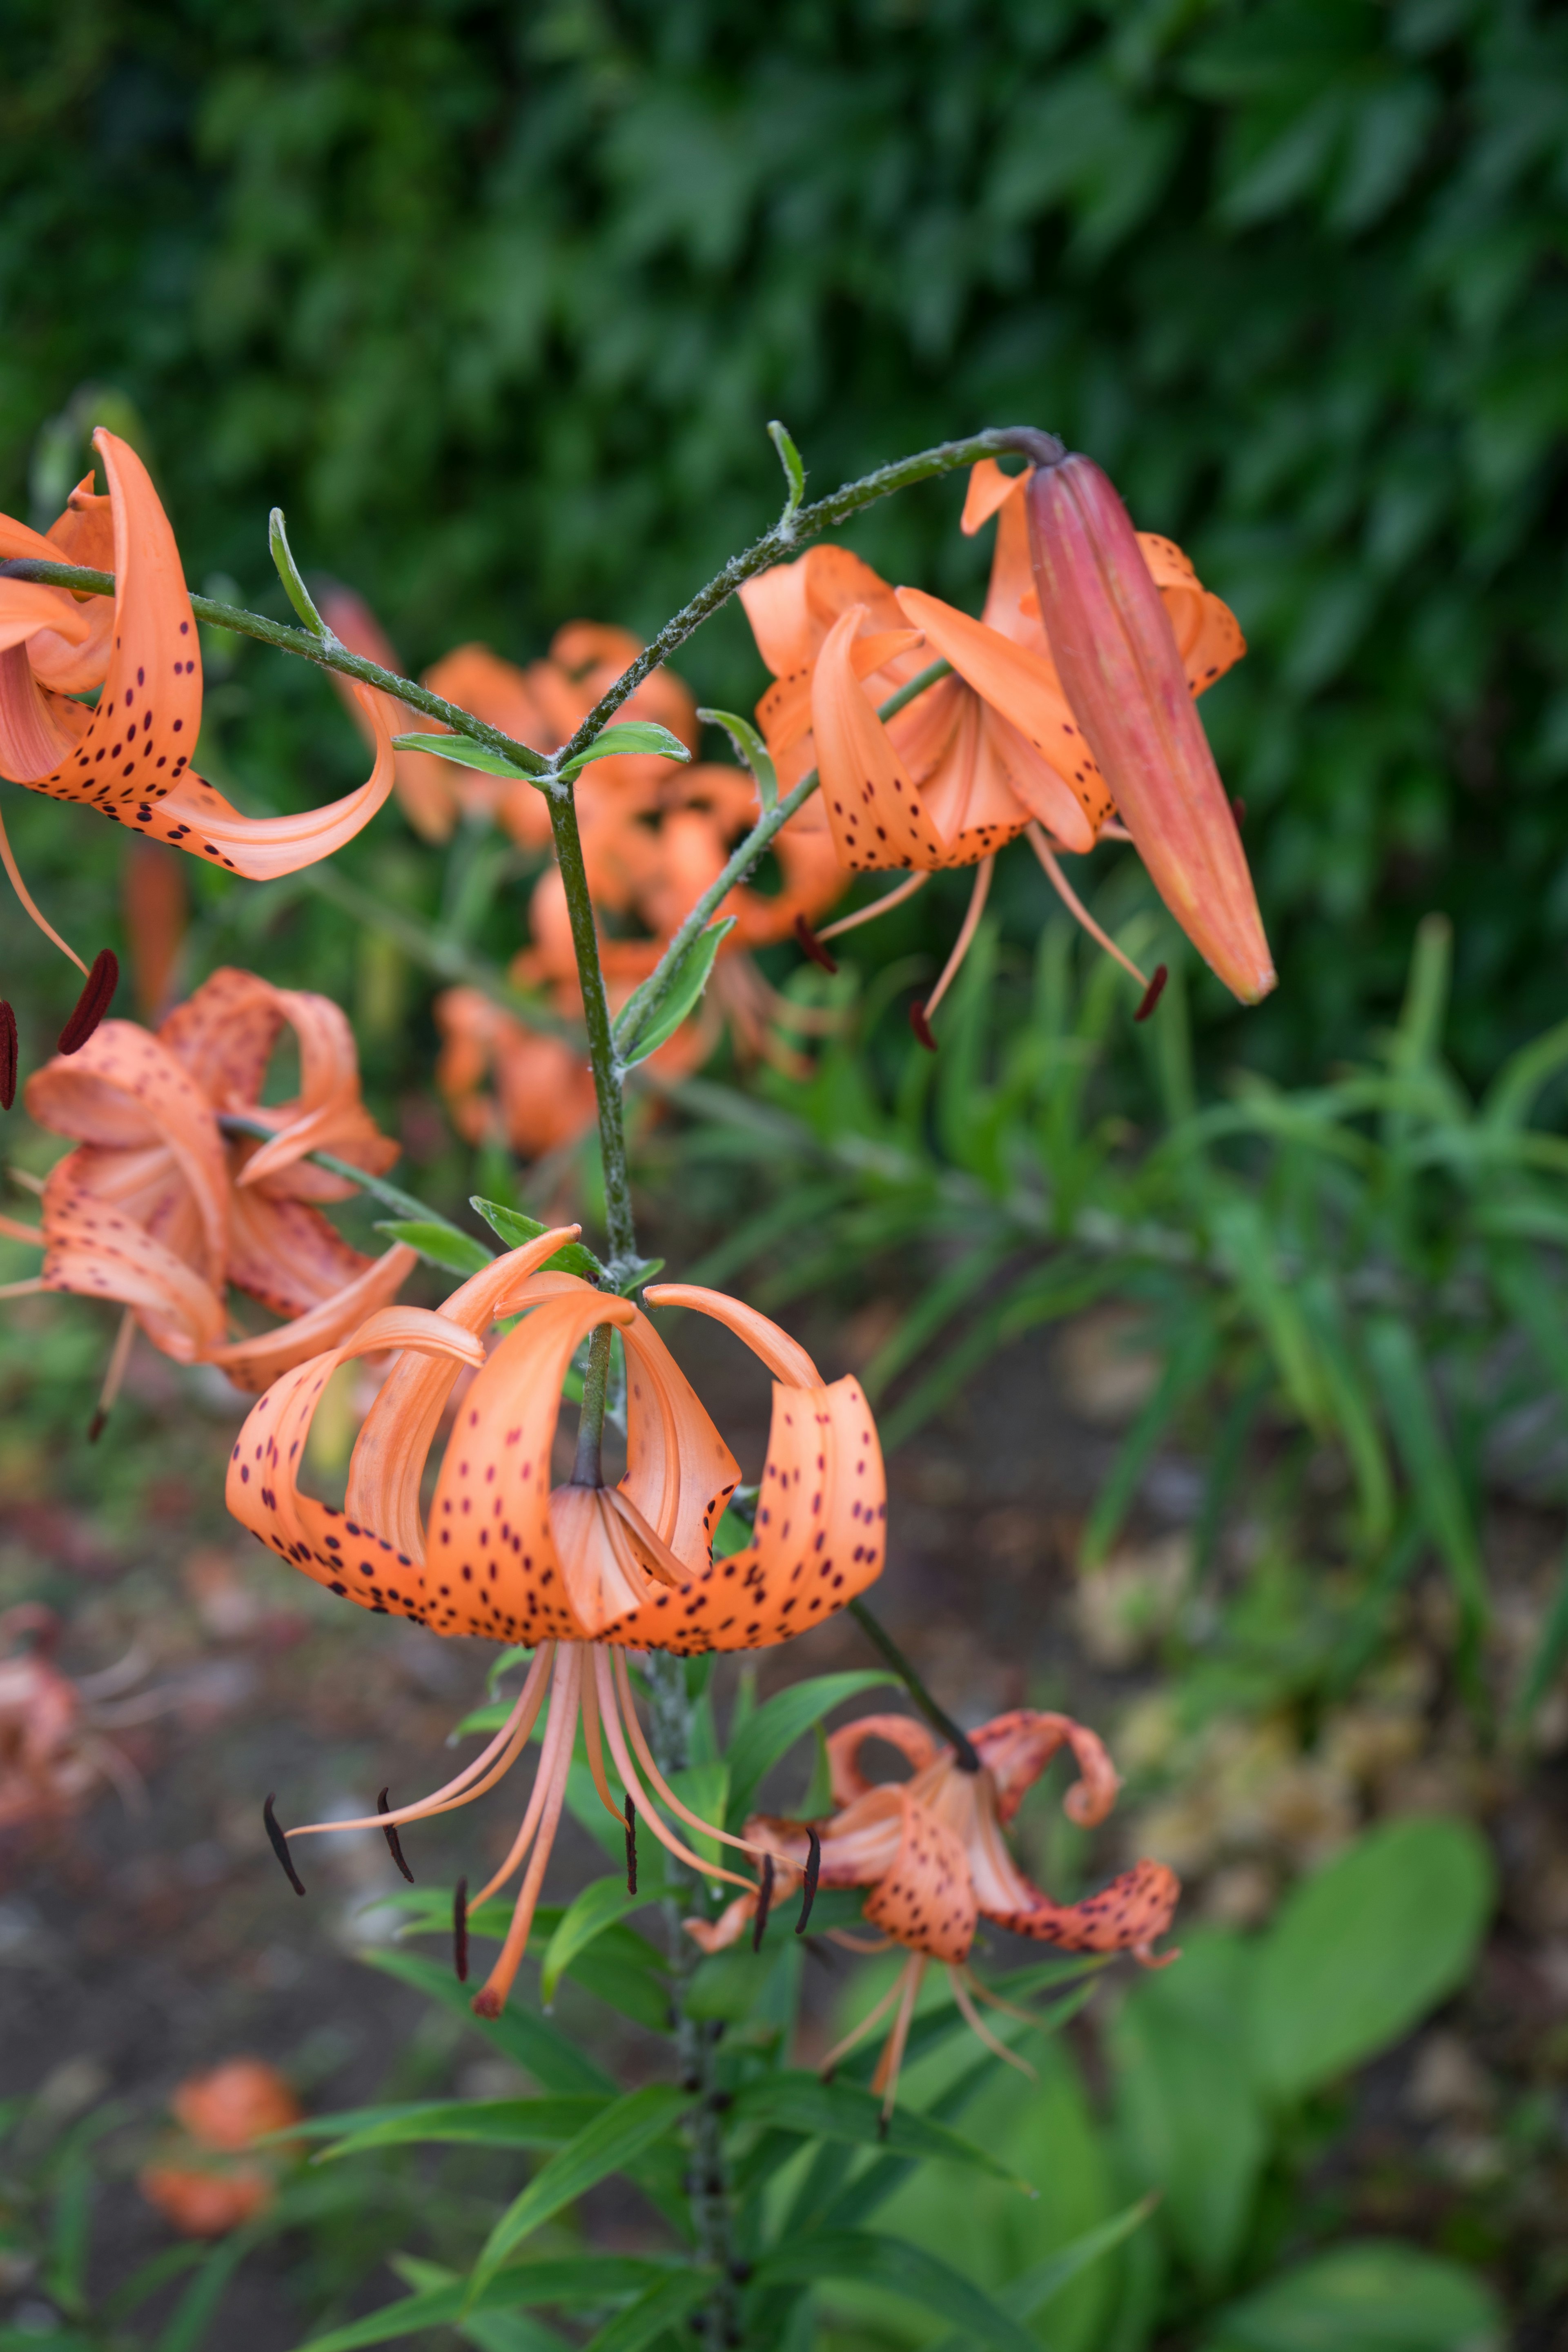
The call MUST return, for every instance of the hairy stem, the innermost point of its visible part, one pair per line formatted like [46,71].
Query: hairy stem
[588,1471]
[619,1222]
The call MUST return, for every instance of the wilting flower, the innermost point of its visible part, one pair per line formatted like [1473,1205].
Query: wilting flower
[53,1753]
[931,1851]
[198,2184]
[586,1571]
[158,1209]
[992,751]
[128,758]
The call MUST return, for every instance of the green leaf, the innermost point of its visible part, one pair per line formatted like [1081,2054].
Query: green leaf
[636,737]
[585,1918]
[1362,1952]
[434,2307]
[640,1032]
[198,2306]
[287,572]
[463,753]
[772,1731]
[749,747]
[793,468]
[1186,1368]
[531,2042]
[485,2122]
[1029,2294]
[588,2281]
[515,1229]
[797,2102]
[444,1246]
[1374,2296]
[608,2145]
[660,2306]
[1396,1359]
[903,2269]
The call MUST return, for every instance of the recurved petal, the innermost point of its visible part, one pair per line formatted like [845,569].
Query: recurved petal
[1208,633]
[819,1538]
[784,1357]
[926,1901]
[680,1471]
[1017,1749]
[139,741]
[124,1089]
[1125,1917]
[901,1731]
[494,1566]
[25,609]
[338,1548]
[285,1256]
[251,1364]
[989,488]
[874,810]
[94,1250]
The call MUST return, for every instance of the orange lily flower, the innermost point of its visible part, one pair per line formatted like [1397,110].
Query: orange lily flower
[544,1096]
[130,757]
[931,1851]
[155,1209]
[197,2185]
[52,1757]
[1122,662]
[586,1571]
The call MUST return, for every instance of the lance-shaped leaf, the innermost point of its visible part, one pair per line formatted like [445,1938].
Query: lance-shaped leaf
[656,2310]
[643,1025]
[1027,2295]
[481,2123]
[639,737]
[902,2268]
[802,2102]
[514,1227]
[444,1246]
[768,1735]
[530,2041]
[611,2142]
[599,1906]
[749,747]
[586,2281]
[464,752]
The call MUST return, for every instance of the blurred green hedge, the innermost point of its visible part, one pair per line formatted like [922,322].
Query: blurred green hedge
[497,301]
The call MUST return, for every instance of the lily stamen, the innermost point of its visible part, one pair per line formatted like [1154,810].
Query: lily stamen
[884,905]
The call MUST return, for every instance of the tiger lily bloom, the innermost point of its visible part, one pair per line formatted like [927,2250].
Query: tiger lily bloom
[53,1756]
[931,1851]
[204,2181]
[130,757]
[158,1209]
[583,1572]
[1123,666]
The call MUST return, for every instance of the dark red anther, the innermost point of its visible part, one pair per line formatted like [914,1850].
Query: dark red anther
[807,941]
[631,1847]
[97,1426]
[921,1025]
[813,1868]
[96,996]
[460,1930]
[764,1902]
[1238,810]
[280,1847]
[390,1834]
[7,1055]
[1153,993]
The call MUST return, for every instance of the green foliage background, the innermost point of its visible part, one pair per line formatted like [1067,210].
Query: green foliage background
[497,301]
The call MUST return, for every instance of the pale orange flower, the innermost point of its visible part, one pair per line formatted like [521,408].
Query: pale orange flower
[130,757]
[583,1572]
[53,1756]
[156,1209]
[197,2185]
[931,1851]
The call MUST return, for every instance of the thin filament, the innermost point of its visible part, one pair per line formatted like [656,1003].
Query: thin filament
[647,1810]
[889,2065]
[964,941]
[447,1799]
[15,1231]
[28,1289]
[565,1690]
[889,899]
[7,860]
[869,2023]
[979,2028]
[661,1787]
[1075,906]
[561,1726]
[119,1357]
[593,1742]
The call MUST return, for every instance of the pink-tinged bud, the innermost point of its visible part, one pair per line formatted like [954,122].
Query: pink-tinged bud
[1117,658]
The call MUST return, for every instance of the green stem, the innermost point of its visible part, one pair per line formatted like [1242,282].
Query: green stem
[588,1471]
[878,1633]
[238,1122]
[618,1220]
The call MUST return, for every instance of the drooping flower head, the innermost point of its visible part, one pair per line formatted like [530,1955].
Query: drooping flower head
[159,1210]
[583,1572]
[933,1853]
[129,756]
[204,2180]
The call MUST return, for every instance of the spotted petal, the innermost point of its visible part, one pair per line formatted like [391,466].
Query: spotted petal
[926,1901]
